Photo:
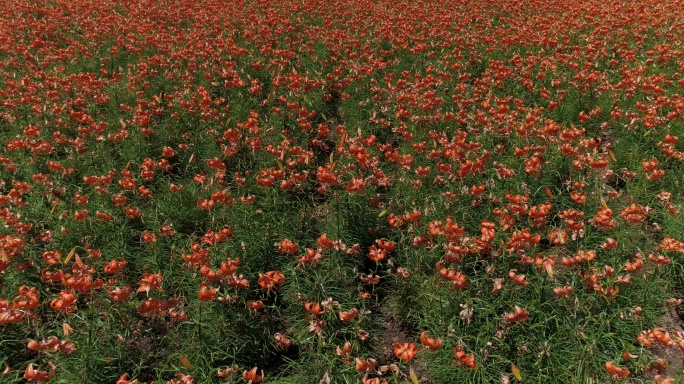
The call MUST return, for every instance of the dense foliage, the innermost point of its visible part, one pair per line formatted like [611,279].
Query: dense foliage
[333,191]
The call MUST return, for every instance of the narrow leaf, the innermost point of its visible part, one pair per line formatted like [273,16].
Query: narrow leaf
[516,372]
[186,363]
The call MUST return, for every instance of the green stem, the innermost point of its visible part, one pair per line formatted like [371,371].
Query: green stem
[338,217]
[90,337]
[199,326]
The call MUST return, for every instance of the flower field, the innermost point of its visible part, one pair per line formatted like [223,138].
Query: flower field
[210,191]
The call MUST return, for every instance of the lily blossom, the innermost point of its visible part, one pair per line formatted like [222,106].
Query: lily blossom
[252,377]
[616,372]
[365,365]
[228,371]
[405,351]
[518,314]
[38,376]
[430,342]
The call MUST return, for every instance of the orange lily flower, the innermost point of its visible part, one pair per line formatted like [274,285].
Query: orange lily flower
[282,339]
[150,281]
[148,237]
[659,259]
[345,350]
[362,335]
[375,380]
[670,244]
[375,254]
[251,376]
[52,257]
[463,358]
[517,279]
[39,376]
[430,342]
[645,338]
[634,213]
[314,309]
[563,291]
[395,221]
[348,315]
[229,267]
[557,236]
[182,379]
[54,344]
[372,280]
[27,299]
[365,365]
[663,380]
[518,315]
[206,204]
[65,302]
[119,295]
[255,305]
[114,266]
[271,279]
[405,351]
[547,262]
[311,254]
[610,243]
[228,371]
[662,336]
[206,293]
[123,379]
[616,372]
[286,246]
[385,244]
